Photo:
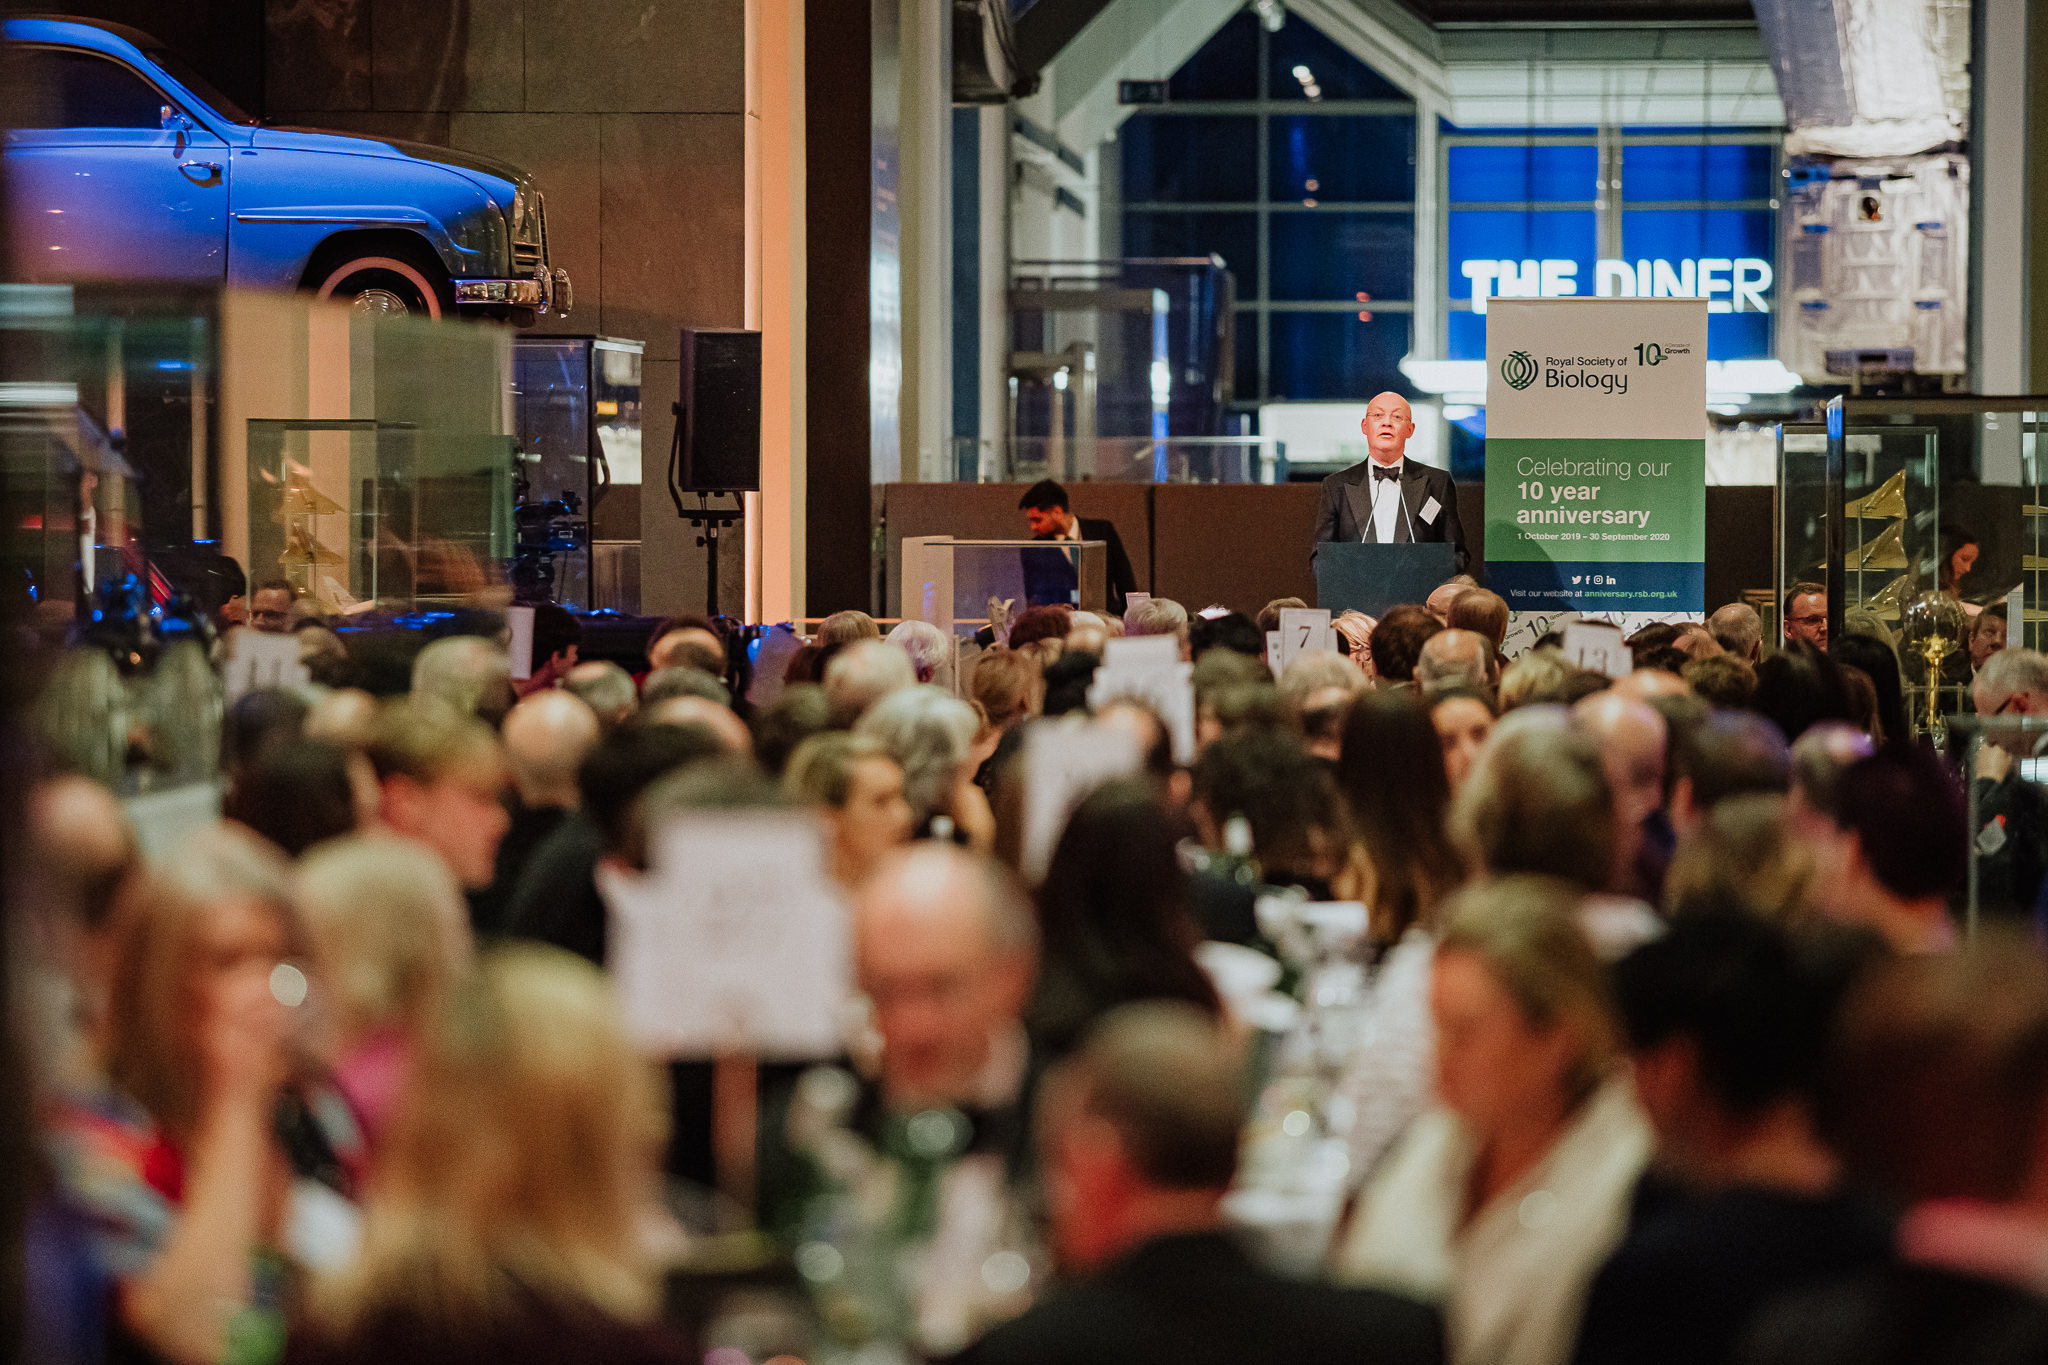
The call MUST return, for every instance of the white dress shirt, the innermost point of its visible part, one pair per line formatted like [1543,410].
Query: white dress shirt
[1386,501]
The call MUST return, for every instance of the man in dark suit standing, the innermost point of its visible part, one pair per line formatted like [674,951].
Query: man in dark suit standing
[1045,510]
[1139,1143]
[1390,499]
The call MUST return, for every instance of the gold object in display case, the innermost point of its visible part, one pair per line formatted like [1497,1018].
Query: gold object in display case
[1891,598]
[304,550]
[1887,501]
[1934,628]
[1888,551]
[304,500]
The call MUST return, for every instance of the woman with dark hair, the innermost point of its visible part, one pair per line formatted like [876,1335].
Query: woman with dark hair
[509,1217]
[1799,687]
[1391,774]
[1959,553]
[1114,917]
[1875,658]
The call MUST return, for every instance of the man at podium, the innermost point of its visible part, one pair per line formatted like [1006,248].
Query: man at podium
[1390,499]
[1049,574]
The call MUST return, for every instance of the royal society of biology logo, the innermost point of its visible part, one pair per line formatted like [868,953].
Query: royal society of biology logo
[1519,370]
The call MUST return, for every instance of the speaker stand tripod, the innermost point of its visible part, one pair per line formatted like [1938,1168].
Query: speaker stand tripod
[707,518]
[709,521]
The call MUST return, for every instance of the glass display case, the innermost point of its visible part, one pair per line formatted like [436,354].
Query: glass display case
[368,512]
[368,461]
[332,509]
[577,415]
[1942,520]
[106,429]
[949,582]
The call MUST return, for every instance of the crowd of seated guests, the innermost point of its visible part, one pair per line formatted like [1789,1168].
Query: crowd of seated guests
[1667,1041]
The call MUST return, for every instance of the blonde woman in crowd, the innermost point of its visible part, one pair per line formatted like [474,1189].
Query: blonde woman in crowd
[1502,1202]
[390,937]
[1355,629]
[172,1155]
[508,1220]
[1532,677]
[1008,685]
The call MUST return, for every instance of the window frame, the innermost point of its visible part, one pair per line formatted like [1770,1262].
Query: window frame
[1255,308]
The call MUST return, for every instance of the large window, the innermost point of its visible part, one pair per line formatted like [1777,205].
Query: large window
[1294,162]
[1656,212]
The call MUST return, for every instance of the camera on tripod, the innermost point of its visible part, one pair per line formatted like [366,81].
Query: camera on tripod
[542,531]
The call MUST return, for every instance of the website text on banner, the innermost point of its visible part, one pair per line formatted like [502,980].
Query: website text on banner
[1596,454]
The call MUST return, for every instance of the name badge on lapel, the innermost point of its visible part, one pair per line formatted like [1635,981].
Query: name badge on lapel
[1431,510]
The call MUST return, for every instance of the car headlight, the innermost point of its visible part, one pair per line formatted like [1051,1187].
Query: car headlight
[481,233]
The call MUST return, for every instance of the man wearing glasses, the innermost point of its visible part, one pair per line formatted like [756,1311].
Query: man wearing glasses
[1806,615]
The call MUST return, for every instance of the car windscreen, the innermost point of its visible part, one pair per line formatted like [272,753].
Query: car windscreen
[184,75]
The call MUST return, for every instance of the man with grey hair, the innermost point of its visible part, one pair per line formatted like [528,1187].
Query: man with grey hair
[861,674]
[1739,630]
[1454,659]
[2012,817]
[1318,671]
[1139,1134]
[2012,682]
[929,733]
[927,646]
[1156,616]
[1538,801]
[468,674]
[605,688]
[1317,691]
[1087,633]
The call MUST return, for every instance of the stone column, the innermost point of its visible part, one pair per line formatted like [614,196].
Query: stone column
[924,214]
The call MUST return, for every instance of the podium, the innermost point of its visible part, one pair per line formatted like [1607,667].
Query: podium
[947,580]
[1372,577]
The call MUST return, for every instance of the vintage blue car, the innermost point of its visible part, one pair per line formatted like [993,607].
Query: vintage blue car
[129,166]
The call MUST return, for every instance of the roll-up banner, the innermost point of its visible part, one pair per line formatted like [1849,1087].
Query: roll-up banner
[1596,454]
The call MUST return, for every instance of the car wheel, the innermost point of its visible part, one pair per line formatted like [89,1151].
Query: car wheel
[383,286]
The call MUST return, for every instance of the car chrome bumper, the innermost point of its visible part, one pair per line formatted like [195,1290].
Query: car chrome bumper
[545,291]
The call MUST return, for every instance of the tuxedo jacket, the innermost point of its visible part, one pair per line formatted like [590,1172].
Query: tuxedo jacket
[1346,508]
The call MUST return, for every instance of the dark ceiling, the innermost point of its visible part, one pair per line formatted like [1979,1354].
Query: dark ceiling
[1580,11]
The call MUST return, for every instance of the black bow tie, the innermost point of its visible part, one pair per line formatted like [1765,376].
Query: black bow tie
[1382,471]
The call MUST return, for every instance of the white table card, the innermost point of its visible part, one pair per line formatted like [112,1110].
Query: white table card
[734,941]
[1598,648]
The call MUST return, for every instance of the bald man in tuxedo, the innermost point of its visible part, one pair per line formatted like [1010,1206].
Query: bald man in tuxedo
[1389,499]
